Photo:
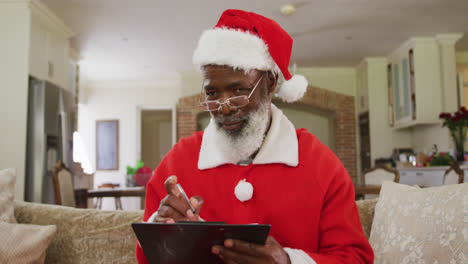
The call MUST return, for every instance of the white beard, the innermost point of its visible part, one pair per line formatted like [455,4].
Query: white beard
[240,146]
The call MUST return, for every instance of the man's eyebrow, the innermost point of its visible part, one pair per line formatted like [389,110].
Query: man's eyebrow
[236,84]
[208,87]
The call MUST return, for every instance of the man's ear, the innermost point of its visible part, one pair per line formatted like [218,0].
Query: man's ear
[272,81]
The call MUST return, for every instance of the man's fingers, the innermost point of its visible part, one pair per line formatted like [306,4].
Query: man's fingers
[271,241]
[246,248]
[171,186]
[174,200]
[178,205]
[231,256]
[167,211]
[197,203]
[165,220]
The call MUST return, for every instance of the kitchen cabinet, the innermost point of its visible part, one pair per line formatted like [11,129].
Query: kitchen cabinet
[426,176]
[414,83]
[49,46]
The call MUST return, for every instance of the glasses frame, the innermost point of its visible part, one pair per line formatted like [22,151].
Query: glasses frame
[227,101]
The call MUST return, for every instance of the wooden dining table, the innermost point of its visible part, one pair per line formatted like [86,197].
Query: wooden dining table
[117,193]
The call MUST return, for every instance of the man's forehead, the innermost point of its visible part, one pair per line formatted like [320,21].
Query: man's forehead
[226,74]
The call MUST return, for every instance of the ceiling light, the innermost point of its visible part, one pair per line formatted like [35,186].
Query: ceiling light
[288,9]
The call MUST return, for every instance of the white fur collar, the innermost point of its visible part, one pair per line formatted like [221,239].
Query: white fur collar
[280,145]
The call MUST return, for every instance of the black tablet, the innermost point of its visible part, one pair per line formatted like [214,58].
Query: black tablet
[191,242]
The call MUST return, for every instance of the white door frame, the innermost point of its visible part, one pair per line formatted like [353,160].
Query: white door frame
[141,108]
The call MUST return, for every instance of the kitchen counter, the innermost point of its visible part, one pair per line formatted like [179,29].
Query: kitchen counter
[431,168]
[427,176]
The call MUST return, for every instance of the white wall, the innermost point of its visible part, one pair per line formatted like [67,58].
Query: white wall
[120,100]
[340,79]
[425,136]
[462,57]
[315,122]
[14,52]
[191,82]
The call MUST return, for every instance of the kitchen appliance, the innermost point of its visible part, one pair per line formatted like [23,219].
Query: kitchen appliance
[51,116]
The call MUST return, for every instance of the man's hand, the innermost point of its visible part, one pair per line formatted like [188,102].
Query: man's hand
[174,207]
[240,252]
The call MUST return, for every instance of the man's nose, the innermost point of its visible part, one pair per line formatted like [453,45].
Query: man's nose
[225,109]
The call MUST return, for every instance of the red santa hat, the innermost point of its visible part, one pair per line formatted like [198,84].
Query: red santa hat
[245,40]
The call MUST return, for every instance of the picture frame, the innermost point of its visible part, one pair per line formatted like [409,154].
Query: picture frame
[107,144]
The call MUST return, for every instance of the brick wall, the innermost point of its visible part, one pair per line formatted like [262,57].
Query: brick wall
[342,106]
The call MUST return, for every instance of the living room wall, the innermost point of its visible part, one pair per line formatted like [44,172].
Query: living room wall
[120,100]
[14,28]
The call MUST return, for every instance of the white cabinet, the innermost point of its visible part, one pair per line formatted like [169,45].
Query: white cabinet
[414,83]
[37,51]
[48,46]
[426,177]
[422,178]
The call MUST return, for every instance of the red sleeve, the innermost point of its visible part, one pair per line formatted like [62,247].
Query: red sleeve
[342,239]
[155,191]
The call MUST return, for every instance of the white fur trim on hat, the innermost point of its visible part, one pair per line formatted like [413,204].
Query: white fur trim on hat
[293,89]
[243,190]
[235,48]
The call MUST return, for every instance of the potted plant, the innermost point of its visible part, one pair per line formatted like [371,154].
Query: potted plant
[131,171]
[440,159]
[457,123]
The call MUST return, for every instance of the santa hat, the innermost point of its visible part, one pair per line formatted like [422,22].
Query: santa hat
[245,40]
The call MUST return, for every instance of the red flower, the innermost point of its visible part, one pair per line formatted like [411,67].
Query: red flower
[445,116]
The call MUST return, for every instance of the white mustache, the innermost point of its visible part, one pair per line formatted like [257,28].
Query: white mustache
[223,119]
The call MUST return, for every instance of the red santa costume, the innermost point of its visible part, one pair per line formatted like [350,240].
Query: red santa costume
[294,183]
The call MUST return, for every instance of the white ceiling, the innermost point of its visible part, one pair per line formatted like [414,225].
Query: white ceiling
[153,40]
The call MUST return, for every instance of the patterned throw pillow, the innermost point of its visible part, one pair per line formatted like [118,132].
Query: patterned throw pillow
[24,243]
[19,243]
[7,195]
[428,225]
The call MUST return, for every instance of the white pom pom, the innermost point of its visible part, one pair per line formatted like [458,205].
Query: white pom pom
[243,190]
[293,89]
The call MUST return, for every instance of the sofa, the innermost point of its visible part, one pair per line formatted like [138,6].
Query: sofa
[83,235]
[94,236]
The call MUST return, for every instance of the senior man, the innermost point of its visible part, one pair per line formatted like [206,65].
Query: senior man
[251,165]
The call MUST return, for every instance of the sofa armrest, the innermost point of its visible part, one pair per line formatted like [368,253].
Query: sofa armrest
[84,235]
[366,213]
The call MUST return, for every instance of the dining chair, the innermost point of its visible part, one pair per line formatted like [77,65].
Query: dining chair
[377,175]
[63,185]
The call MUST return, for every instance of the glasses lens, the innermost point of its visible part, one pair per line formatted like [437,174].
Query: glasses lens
[210,105]
[238,101]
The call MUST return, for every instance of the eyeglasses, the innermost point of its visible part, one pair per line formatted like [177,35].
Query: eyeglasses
[233,102]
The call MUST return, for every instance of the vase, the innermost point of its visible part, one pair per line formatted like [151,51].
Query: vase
[460,156]
[459,138]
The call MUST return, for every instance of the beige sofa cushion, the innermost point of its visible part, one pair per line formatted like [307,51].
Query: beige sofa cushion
[84,235]
[24,243]
[7,189]
[366,213]
[413,225]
